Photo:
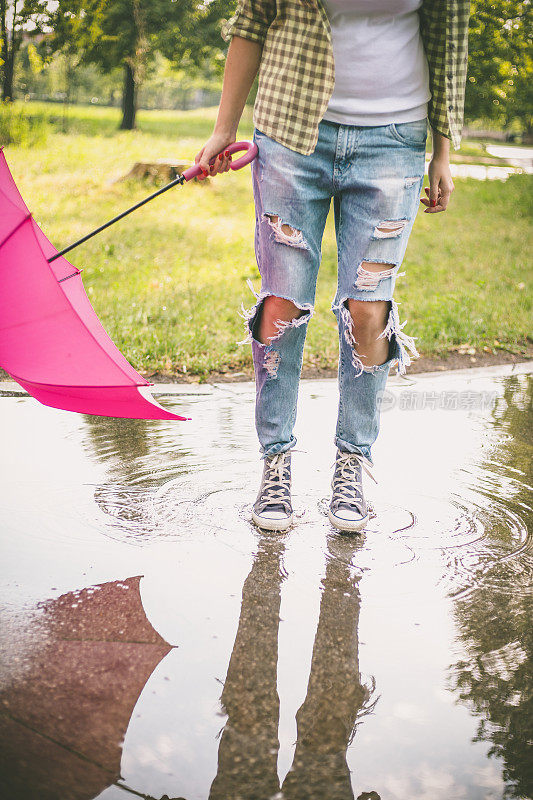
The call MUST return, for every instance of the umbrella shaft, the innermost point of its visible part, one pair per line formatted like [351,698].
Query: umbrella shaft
[175,182]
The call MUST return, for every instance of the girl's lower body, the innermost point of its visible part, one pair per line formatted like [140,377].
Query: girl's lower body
[374,175]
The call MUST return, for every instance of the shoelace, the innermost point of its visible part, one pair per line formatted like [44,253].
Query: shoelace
[277,484]
[347,485]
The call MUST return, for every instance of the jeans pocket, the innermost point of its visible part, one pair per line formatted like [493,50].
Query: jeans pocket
[259,134]
[413,134]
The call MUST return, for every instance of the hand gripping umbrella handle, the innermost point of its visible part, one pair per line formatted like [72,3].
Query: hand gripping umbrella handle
[250,154]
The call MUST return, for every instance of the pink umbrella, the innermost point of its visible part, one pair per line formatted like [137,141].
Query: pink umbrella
[51,341]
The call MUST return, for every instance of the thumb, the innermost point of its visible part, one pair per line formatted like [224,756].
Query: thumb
[206,156]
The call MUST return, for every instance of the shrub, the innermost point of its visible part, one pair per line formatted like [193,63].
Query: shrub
[17,127]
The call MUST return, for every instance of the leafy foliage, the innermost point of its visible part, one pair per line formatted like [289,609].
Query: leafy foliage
[500,72]
[15,17]
[127,33]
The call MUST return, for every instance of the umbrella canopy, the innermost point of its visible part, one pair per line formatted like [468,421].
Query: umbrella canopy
[51,341]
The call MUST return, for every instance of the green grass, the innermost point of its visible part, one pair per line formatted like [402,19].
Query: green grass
[169,281]
[94,120]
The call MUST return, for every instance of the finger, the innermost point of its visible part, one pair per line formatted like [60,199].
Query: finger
[226,161]
[447,190]
[221,163]
[212,166]
[208,170]
[217,165]
[431,209]
[434,200]
[444,200]
[204,162]
[433,193]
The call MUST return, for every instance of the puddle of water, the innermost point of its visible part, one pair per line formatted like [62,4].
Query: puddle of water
[155,644]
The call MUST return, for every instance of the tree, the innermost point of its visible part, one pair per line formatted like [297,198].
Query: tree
[15,16]
[127,33]
[500,72]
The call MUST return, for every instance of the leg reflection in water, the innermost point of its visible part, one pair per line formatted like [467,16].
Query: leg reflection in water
[249,745]
[248,751]
[335,695]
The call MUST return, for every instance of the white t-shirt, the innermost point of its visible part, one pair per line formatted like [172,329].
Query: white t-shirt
[381,68]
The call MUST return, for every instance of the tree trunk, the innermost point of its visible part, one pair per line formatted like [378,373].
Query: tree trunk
[7,77]
[129,99]
[6,53]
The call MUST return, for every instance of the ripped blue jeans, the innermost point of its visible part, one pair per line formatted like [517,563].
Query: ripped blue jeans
[375,176]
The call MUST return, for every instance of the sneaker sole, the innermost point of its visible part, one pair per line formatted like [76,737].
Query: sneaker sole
[271,524]
[345,525]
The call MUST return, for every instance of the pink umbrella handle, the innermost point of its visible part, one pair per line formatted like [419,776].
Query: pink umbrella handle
[251,152]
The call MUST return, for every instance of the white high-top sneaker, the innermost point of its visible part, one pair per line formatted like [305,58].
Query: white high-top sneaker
[272,510]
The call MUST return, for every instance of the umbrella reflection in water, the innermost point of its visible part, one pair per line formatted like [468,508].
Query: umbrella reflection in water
[66,714]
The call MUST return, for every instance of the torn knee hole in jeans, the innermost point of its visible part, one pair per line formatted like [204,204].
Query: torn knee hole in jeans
[347,321]
[389,229]
[251,318]
[286,234]
[404,344]
[368,279]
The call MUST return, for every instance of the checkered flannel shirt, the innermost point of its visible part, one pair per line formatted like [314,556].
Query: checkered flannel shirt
[297,70]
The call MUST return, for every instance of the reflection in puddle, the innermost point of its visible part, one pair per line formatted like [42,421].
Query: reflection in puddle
[63,720]
[335,699]
[304,666]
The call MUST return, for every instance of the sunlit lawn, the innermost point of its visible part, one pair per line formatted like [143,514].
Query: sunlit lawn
[169,281]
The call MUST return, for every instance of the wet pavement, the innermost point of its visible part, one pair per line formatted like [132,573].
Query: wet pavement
[515,160]
[155,644]
[518,156]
